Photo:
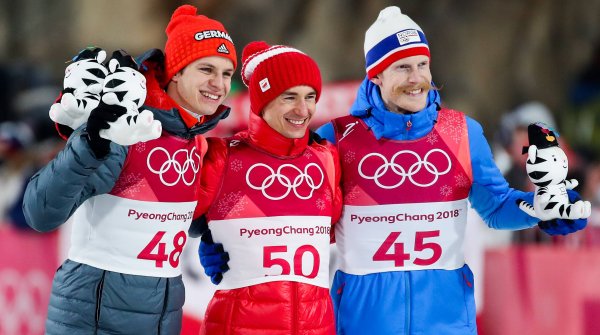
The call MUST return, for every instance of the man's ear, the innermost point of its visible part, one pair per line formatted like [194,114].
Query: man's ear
[176,76]
[376,80]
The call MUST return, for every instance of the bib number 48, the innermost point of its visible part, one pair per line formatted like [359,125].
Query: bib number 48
[399,256]
[160,256]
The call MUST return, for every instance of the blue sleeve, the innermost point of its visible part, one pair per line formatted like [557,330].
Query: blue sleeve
[73,176]
[327,132]
[490,195]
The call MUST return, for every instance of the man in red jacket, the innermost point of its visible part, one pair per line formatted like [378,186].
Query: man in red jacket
[271,194]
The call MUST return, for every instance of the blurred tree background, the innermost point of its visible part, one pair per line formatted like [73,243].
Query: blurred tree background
[487,55]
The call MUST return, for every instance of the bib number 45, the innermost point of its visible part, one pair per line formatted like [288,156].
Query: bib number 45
[399,256]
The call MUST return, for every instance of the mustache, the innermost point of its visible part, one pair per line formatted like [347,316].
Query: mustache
[425,86]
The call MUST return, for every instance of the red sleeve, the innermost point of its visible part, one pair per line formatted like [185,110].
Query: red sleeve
[63,131]
[213,167]
[337,199]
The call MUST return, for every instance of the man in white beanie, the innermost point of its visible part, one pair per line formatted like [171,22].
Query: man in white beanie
[409,169]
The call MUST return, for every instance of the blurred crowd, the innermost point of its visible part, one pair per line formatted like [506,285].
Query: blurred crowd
[27,136]
[584,165]
[579,127]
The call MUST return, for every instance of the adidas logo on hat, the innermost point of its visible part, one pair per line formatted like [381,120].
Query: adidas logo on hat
[205,34]
[223,49]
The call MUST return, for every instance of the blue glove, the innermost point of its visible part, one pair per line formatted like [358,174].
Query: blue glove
[213,258]
[564,226]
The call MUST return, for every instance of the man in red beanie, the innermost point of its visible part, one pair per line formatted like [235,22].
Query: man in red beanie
[271,194]
[132,206]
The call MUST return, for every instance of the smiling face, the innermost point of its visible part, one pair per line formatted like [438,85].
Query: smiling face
[404,84]
[202,85]
[291,111]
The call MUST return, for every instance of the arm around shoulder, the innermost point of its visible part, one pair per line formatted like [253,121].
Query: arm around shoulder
[327,132]
[337,199]
[213,168]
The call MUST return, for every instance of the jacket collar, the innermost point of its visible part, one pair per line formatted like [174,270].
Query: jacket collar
[261,135]
[386,124]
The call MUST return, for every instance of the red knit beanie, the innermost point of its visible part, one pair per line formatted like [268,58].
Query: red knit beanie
[191,36]
[270,70]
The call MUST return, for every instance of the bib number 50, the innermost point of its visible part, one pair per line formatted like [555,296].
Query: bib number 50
[399,256]
[269,260]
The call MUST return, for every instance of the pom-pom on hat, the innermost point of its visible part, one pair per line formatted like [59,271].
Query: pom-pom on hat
[191,36]
[270,70]
[391,37]
[542,136]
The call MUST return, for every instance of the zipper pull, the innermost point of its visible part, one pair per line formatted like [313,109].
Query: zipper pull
[408,125]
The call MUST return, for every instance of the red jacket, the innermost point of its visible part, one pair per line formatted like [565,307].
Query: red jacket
[275,307]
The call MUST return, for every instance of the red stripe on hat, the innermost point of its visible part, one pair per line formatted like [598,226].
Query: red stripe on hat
[424,51]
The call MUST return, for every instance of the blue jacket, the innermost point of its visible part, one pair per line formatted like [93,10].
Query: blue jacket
[422,302]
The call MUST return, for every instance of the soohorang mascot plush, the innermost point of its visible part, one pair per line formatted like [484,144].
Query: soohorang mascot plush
[547,166]
[81,88]
[125,86]
[88,80]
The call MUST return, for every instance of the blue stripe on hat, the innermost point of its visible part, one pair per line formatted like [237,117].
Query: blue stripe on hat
[390,43]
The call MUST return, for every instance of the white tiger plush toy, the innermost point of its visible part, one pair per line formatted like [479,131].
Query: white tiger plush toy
[547,167]
[82,85]
[125,86]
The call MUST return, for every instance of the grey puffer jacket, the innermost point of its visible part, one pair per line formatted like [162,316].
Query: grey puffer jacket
[86,299]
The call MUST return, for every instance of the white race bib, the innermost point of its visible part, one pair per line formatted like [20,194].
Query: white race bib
[131,236]
[280,248]
[403,237]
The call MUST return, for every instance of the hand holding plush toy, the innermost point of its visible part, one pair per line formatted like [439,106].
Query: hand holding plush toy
[547,166]
[82,85]
[126,87]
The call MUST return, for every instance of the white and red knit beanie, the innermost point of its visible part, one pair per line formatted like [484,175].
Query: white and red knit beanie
[391,37]
[269,71]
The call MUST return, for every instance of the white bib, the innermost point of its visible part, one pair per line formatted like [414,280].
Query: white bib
[277,248]
[131,236]
[401,237]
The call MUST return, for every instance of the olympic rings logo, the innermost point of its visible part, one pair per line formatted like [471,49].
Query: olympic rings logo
[301,178]
[400,171]
[23,301]
[191,160]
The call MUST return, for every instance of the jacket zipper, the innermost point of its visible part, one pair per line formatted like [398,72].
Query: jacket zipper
[162,314]
[294,330]
[407,299]
[99,290]
[227,324]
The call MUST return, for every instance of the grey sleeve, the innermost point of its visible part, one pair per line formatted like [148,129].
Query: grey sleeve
[73,176]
